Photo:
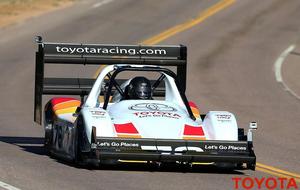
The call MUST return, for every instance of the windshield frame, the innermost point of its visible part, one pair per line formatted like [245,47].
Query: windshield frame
[119,69]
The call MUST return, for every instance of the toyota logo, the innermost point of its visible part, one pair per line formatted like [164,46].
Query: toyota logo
[151,107]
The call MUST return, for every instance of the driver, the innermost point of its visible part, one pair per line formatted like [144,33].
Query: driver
[139,88]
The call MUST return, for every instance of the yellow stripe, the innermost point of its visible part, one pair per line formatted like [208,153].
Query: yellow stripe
[189,24]
[196,115]
[264,167]
[67,110]
[276,174]
[133,161]
[203,163]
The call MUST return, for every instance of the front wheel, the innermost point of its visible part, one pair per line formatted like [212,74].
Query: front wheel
[78,143]
[82,148]
[227,166]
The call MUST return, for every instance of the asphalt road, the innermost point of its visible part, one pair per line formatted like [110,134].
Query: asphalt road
[230,67]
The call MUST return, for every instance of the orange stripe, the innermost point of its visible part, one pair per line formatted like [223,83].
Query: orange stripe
[196,112]
[66,110]
[129,136]
[196,115]
[193,138]
[68,104]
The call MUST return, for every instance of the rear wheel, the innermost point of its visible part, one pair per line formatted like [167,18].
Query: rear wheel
[48,140]
[48,126]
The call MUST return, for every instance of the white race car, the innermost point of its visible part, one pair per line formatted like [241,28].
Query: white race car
[123,115]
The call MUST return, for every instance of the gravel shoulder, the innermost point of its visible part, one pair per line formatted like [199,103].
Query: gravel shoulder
[15,11]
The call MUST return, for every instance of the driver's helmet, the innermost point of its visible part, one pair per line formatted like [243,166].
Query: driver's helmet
[139,88]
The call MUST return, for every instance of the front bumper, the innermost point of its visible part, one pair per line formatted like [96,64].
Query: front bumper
[175,150]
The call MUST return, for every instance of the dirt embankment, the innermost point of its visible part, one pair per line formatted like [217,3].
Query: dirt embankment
[14,11]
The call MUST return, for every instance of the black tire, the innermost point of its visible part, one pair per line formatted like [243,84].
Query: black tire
[226,166]
[48,139]
[81,150]
[241,134]
[251,166]
[78,142]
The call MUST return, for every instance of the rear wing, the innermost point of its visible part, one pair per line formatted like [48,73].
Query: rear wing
[97,54]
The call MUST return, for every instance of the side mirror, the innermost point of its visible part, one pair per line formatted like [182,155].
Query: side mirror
[253,125]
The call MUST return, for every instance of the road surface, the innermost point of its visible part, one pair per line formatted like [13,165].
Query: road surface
[231,56]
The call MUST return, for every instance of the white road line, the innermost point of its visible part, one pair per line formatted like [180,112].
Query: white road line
[103,2]
[7,186]
[279,62]
[277,69]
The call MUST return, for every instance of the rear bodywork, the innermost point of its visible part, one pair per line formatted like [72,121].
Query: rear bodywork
[102,126]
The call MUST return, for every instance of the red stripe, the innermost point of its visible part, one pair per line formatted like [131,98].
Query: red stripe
[125,128]
[55,101]
[193,105]
[193,130]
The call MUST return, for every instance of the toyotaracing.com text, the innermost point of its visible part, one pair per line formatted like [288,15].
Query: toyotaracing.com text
[109,51]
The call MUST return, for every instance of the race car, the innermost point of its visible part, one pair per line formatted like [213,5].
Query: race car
[135,110]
